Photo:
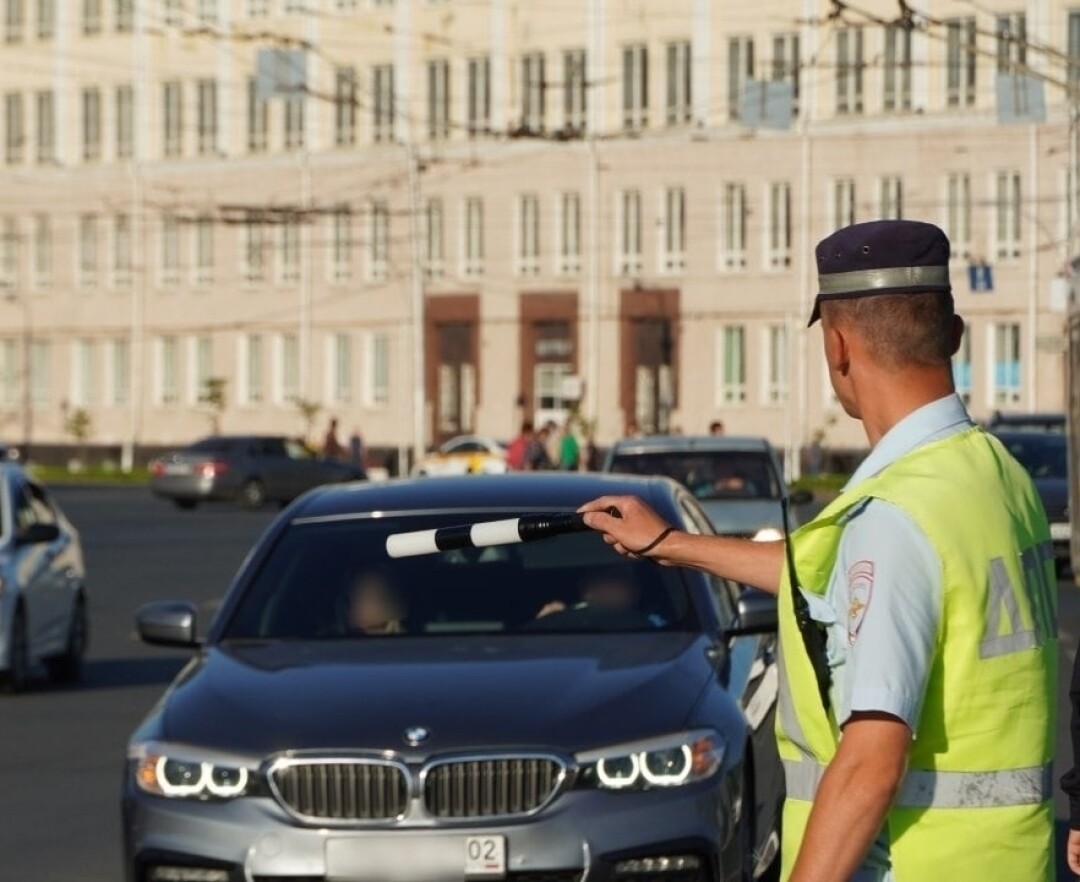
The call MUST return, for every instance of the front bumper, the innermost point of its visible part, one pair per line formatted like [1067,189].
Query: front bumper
[583,834]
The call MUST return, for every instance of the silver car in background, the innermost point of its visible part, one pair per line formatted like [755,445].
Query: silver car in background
[738,481]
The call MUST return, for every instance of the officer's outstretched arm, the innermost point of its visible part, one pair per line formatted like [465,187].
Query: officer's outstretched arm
[638,531]
[856,792]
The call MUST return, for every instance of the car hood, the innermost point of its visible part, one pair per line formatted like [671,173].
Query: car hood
[559,691]
[742,516]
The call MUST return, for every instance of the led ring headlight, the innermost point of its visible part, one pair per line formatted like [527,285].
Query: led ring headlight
[618,781]
[667,776]
[182,779]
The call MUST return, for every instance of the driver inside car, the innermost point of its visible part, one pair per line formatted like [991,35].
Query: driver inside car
[609,590]
[375,605]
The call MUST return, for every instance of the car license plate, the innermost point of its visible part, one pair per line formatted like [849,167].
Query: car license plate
[485,856]
[1059,532]
[177,468]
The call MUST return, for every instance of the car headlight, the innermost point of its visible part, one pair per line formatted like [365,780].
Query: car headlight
[768,534]
[181,773]
[672,761]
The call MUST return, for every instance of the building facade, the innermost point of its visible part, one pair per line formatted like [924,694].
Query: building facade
[431,217]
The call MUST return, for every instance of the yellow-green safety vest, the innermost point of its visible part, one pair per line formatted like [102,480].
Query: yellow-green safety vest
[975,802]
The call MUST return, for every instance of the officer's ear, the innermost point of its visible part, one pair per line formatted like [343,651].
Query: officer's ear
[958,329]
[837,346]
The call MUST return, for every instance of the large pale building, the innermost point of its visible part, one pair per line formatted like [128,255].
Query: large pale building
[430,217]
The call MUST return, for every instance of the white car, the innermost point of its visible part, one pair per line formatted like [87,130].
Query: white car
[465,455]
[43,614]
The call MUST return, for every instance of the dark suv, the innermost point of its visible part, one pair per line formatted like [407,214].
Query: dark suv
[251,469]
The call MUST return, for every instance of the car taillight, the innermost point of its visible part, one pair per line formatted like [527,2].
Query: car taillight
[157,468]
[212,468]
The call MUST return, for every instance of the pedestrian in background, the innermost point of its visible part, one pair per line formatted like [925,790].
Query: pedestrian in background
[716,427]
[917,612]
[569,450]
[356,450]
[515,452]
[536,453]
[332,448]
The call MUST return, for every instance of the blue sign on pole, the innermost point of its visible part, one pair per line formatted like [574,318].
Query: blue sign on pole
[980,277]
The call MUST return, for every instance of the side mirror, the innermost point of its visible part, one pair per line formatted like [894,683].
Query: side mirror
[37,534]
[801,497]
[756,614]
[167,623]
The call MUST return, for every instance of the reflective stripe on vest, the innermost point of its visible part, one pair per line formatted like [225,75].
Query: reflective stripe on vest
[925,788]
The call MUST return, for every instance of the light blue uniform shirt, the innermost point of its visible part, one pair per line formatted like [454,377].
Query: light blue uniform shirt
[883,603]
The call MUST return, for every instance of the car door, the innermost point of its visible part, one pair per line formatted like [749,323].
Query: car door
[35,569]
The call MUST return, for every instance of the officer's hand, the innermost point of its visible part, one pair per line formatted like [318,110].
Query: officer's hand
[635,529]
[1072,851]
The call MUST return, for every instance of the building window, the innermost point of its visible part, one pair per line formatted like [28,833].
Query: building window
[345,106]
[168,370]
[438,97]
[849,70]
[122,252]
[533,93]
[635,86]
[40,371]
[173,13]
[203,374]
[1007,215]
[673,257]
[575,92]
[119,366]
[46,19]
[9,251]
[207,12]
[173,109]
[473,238]
[731,361]
[208,117]
[379,243]
[740,69]
[1011,34]
[252,387]
[170,249]
[204,250]
[733,227]
[434,239]
[958,214]
[528,235]
[46,127]
[377,375]
[479,96]
[382,78]
[341,245]
[961,61]
[88,251]
[779,251]
[289,369]
[342,369]
[258,8]
[628,233]
[125,122]
[254,260]
[1006,364]
[125,16]
[14,135]
[786,64]
[9,373]
[14,18]
[961,368]
[843,203]
[679,83]
[43,252]
[289,250]
[897,67]
[82,373]
[776,387]
[569,234]
[91,19]
[891,198]
[91,124]
[257,119]
[294,106]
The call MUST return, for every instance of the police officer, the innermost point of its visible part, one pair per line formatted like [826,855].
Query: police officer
[917,611]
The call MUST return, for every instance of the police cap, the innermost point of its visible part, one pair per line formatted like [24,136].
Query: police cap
[881,257]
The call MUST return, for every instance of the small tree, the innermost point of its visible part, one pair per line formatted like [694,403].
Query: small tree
[78,424]
[308,410]
[213,396]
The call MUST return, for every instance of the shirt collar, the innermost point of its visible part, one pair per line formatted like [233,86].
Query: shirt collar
[931,422]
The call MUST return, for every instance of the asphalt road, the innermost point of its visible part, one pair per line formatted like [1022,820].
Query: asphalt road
[61,750]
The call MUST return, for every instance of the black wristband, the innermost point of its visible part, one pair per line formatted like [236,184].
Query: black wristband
[663,535]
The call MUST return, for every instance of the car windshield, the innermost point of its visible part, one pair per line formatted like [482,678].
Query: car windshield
[1043,456]
[328,580]
[715,474]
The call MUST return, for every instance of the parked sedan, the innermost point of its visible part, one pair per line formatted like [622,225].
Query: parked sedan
[251,469]
[43,616]
[1045,456]
[738,481]
[541,711]
[464,455]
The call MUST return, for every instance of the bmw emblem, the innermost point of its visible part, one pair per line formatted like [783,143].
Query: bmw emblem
[416,735]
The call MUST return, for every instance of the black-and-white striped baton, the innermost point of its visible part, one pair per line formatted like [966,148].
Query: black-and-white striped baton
[526,528]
